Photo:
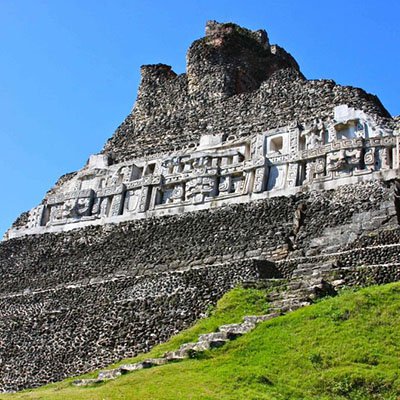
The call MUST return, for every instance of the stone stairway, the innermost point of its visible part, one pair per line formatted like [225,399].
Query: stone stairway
[306,285]
[299,293]
[205,342]
[308,282]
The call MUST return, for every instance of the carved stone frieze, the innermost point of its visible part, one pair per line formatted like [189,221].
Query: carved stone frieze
[344,160]
[222,167]
[201,188]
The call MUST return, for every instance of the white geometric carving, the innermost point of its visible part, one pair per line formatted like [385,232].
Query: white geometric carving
[349,143]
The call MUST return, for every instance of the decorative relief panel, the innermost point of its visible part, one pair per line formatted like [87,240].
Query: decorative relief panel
[293,172]
[347,144]
[259,180]
[35,216]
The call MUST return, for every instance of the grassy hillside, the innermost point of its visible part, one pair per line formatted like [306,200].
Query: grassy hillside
[346,347]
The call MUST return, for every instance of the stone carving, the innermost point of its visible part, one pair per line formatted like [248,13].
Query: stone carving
[35,216]
[131,200]
[178,193]
[315,170]
[332,134]
[294,140]
[238,184]
[293,172]
[369,158]
[101,206]
[314,136]
[360,130]
[72,208]
[222,168]
[384,156]
[177,153]
[225,185]
[82,207]
[344,160]
[259,180]
[143,199]
[201,188]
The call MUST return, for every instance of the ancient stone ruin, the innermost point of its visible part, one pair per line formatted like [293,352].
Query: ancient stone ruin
[240,169]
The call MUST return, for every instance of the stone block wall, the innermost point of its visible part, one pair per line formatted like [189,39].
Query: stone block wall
[146,246]
[52,333]
[71,302]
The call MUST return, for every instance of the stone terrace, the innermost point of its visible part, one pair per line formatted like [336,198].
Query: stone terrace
[75,301]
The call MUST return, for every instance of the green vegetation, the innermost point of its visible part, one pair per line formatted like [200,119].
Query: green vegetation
[347,347]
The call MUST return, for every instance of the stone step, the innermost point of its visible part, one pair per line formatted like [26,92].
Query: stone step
[292,300]
[264,283]
[288,303]
[206,342]
[314,269]
[148,363]
[131,367]
[176,355]
[256,319]
[232,331]
[301,289]
[109,374]
[213,336]
[289,306]
[296,294]
[154,362]
[217,339]
[303,292]
[301,273]
[211,344]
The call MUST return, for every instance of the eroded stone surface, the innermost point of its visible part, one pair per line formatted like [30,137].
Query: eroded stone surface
[349,148]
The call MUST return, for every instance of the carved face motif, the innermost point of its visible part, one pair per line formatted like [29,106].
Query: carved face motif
[353,156]
[67,208]
[82,206]
[336,160]
[177,193]
[313,140]
[56,212]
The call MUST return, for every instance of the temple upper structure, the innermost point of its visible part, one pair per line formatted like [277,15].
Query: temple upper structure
[241,124]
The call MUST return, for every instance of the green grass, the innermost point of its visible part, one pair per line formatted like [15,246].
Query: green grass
[346,347]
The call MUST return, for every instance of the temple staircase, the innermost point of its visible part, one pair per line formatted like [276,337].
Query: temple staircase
[306,285]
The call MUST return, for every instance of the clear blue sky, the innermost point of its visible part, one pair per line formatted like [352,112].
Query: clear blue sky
[69,69]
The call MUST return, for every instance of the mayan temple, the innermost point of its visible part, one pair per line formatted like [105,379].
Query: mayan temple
[239,170]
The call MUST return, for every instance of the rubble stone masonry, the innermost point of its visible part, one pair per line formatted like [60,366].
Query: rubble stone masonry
[238,170]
